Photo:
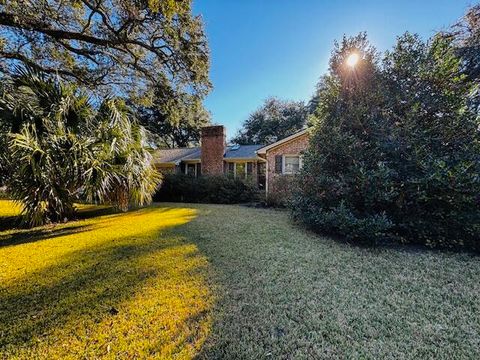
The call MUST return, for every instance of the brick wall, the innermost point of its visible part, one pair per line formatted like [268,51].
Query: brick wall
[213,148]
[293,147]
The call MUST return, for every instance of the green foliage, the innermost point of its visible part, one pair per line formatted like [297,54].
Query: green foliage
[174,120]
[345,166]
[121,172]
[61,150]
[3,193]
[284,188]
[124,47]
[274,120]
[395,152]
[438,142]
[466,37]
[205,189]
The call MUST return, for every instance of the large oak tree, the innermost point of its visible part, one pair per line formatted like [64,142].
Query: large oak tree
[123,46]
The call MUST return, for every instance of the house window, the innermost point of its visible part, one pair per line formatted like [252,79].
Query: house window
[240,171]
[191,170]
[291,164]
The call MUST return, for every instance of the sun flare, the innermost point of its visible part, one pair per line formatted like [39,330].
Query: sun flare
[353,59]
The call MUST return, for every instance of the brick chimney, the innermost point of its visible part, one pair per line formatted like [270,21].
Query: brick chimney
[213,143]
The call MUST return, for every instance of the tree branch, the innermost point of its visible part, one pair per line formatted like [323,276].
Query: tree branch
[28,62]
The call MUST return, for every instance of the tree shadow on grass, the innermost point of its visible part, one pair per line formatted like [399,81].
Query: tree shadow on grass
[57,309]
[23,235]
[287,293]
[89,211]
[83,212]
[38,234]
[10,222]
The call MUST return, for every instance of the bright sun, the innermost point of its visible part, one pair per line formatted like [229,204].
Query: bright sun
[352,59]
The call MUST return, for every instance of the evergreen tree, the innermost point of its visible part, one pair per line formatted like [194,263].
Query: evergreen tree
[396,149]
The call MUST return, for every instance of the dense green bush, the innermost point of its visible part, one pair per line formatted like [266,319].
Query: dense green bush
[205,189]
[395,153]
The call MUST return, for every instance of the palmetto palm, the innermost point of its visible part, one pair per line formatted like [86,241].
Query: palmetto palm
[62,149]
[121,172]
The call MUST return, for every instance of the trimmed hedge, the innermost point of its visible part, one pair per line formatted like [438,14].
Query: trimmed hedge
[205,189]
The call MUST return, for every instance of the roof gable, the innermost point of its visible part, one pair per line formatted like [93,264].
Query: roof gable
[263,150]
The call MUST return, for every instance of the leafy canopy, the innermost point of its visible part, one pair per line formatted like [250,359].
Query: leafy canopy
[274,120]
[174,120]
[116,46]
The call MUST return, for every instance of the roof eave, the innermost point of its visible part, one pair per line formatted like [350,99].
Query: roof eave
[257,158]
[264,150]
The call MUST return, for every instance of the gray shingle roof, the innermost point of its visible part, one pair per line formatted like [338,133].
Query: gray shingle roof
[194,155]
[174,155]
[242,151]
[180,154]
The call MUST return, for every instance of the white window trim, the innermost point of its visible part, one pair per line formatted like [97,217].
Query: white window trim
[191,163]
[300,162]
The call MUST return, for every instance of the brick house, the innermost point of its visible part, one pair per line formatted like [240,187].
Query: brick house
[258,164]
[284,158]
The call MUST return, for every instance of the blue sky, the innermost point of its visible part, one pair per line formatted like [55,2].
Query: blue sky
[262,48]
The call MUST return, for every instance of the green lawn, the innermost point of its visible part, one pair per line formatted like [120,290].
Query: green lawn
[219,281]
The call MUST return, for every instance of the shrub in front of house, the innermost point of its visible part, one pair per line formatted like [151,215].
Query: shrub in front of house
[205,189]
[283,188]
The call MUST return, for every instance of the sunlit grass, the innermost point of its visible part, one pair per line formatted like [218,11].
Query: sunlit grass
[9,208]
[113,286]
